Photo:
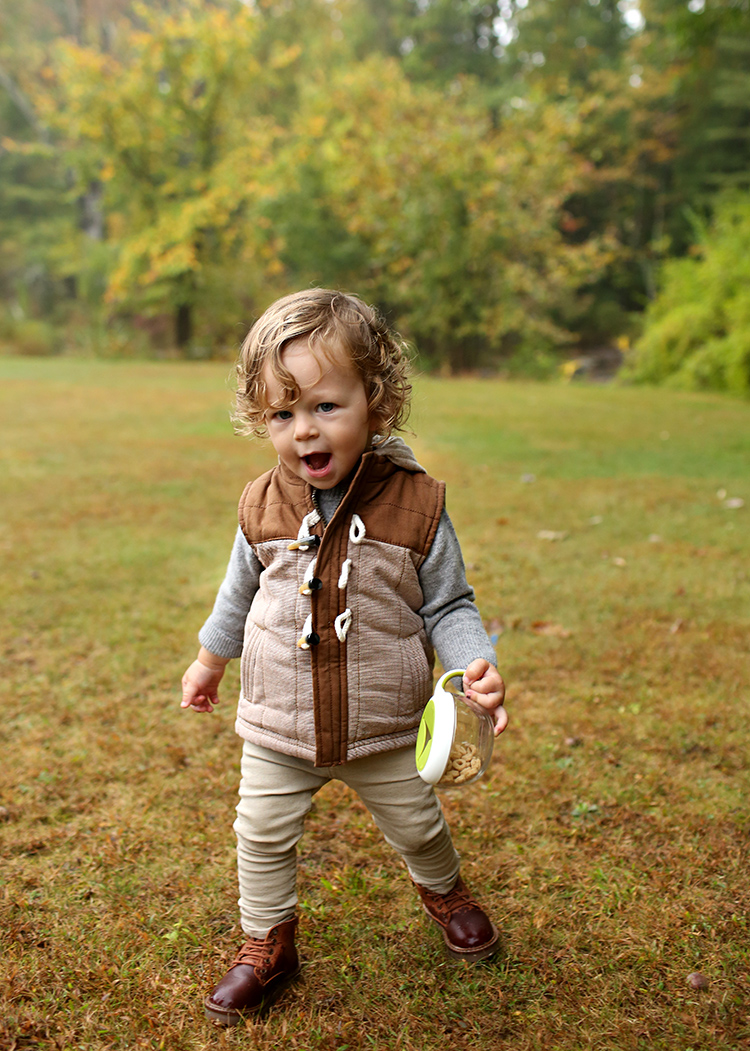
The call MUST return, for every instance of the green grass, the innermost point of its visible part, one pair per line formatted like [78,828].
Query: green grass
[610,839]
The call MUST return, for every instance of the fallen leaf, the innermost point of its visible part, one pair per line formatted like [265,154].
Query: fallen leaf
[546,627]
[550,534]
[733,503]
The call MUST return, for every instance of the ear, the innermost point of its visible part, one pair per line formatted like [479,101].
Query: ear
[378,427]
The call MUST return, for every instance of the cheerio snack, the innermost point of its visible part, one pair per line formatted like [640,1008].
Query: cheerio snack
[455,739]
[464,764]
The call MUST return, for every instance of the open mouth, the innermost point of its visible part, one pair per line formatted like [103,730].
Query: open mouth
[317,463]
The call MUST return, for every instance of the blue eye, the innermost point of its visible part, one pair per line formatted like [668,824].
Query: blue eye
[326,406]
[282,414]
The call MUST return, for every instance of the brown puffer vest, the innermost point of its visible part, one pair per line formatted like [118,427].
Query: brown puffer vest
[336,662]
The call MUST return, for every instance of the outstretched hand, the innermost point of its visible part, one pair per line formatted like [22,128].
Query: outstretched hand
[484,685]
[200,687]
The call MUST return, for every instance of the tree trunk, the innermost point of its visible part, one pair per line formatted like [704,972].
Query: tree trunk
[183,326]
[92,211]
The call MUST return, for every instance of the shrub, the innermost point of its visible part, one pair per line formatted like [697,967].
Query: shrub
[30,338]
[697,330]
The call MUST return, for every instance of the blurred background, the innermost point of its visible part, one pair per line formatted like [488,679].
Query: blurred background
[524,187]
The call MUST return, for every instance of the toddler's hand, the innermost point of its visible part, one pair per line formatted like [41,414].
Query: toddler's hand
[200,687]
[484,685]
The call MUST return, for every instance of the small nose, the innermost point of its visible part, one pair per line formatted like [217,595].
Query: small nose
[304,426]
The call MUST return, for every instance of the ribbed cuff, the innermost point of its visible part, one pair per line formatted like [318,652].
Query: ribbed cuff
[219,643]
[457,649]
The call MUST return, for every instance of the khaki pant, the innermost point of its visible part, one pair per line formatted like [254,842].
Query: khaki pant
[276,794]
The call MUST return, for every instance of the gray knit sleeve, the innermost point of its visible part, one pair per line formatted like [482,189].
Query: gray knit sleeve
[224,631]
[451,618]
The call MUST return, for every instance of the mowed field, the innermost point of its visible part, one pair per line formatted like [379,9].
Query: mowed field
[605,534]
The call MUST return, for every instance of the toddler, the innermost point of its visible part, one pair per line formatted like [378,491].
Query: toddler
[344,575]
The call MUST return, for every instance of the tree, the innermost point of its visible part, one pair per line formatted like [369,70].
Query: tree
[436,41]
[563,43]
[452,224]
[707,45]
[42,207]
[499,176]
[34,205]
[177,141]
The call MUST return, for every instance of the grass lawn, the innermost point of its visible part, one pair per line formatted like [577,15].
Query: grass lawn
[610,837]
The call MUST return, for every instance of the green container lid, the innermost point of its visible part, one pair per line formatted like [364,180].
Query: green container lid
[436,731]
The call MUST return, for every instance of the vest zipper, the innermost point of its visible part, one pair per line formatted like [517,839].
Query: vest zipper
[316,505]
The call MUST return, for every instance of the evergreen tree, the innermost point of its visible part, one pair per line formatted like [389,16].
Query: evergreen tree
[562,44]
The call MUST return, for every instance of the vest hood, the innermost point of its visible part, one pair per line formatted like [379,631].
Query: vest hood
[396,450]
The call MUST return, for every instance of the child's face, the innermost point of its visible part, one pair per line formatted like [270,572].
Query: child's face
[323,434]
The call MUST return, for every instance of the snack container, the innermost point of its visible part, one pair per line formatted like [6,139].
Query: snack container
[455,739]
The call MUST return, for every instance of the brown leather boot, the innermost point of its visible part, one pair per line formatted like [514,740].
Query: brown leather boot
[261,969]
[467,930]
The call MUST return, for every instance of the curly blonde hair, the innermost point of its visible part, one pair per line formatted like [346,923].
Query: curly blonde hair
[329,321]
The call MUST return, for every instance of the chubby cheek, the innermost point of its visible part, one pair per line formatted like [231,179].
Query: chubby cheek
[278,436]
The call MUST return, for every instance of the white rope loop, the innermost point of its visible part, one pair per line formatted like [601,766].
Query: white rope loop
[345,571]
[342,623]
[357,530]
[305,530]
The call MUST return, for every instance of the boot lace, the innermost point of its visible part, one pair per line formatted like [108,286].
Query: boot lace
[257,952]
[450,903]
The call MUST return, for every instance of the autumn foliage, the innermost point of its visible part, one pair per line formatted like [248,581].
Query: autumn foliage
[500,197]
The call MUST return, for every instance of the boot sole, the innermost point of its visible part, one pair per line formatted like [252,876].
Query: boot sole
[482,952]
[228,1017]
